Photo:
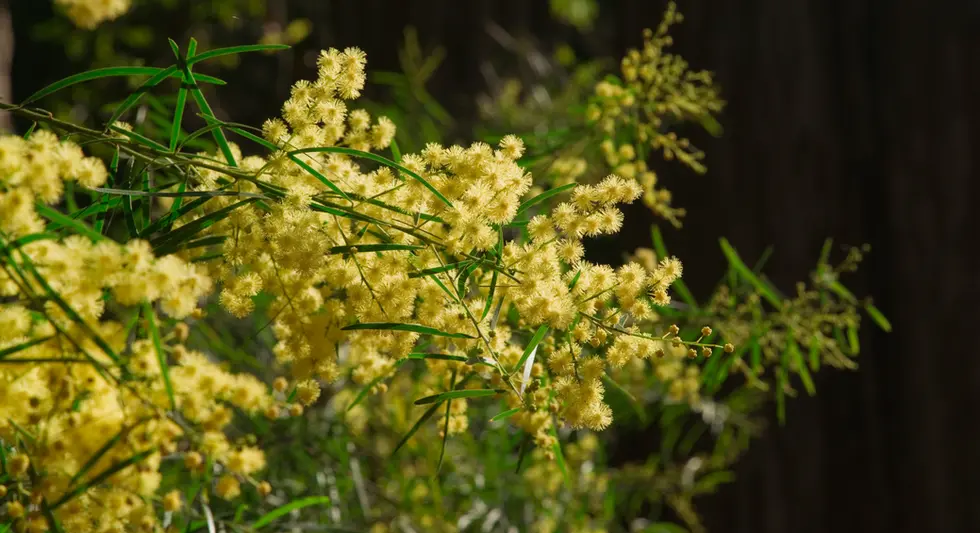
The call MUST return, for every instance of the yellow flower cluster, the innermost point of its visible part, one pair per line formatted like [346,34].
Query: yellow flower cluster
[348,246]
[88,14]
[35,170]
[657,90]
[85,398]
[452,205]
[588,487]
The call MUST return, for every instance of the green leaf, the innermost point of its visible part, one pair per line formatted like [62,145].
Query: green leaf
[68,222]
[371,384]
[437,356]
[94,459]
[852,340]
[454,394]
[181,98]
[709,482]
[72,314]
[27,239]
[797,358]
[11,350]
[840,290]
[135,97]
[444,288]
[463,278]
[686,444]
[679,285]
[418,424]
[825,251]
[814,354]
[396,326]
[522,451]
[282,511]
[711,125]
[178,194]
[108,72]
[316,174]
[489,302]
[106,474]
[505,414]
[445,428]
[544,196]
[878,318]
[362,248]
[764,289]
[138,138]
[253,138]
[396,154]
[205,108]
[755,356]
[376,158]
[629,399]
[535,340]
[439,269]
[560,457]
[231,50]
[169,242]
[52,520]
[161,355]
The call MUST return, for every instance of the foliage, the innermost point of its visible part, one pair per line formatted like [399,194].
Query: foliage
[448,359]
[110,33]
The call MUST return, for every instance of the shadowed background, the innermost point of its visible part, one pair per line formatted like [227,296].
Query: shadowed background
[856,119]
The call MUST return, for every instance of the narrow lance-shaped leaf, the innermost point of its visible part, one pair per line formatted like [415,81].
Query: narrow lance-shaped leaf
[505,414]
[151,323]
[439,269]
[454,394]
[532,345]
[814,354]
[437,356]
[374,382]
[319,176]
[109,72]
[544,196]
[878,317]
[72,314]
[66,221]
[181,96]
[202,104]
[97,480]
[233,50]
[418,424]
[733,259]
[490,294]
[11,350]
[679,285]
[560,457]
[396,326]
[796,357]
[168,242]
[284,510]
[376,158]
[362,248]
[138,138]
[616,388]
[445,428]
[97,456]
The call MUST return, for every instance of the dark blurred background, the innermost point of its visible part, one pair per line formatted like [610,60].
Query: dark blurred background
[856,119]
